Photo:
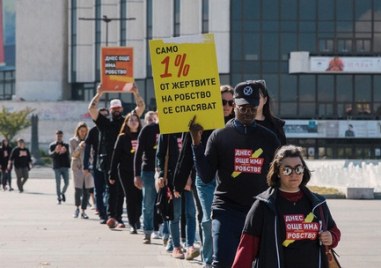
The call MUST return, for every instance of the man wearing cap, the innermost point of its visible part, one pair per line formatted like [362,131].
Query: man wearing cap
[59,152]
[109,130]
[240,154]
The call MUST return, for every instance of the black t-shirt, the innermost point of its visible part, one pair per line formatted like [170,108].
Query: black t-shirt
[298,232]
[21,157]
[109,131]
[146,152]
[60,160]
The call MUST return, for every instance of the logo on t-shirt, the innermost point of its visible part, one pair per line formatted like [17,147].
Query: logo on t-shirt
[134,144]
[23,153]
[300,228]
[247,161]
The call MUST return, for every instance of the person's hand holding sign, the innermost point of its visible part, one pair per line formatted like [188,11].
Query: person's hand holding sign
[195,131]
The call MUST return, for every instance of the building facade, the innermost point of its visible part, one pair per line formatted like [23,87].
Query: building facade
[284,42]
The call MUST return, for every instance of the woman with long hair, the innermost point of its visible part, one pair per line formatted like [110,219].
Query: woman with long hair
[82,183]
[122,172]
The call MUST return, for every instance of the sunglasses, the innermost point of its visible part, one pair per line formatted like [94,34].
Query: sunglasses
[246,109]
[287,171]
[230,102]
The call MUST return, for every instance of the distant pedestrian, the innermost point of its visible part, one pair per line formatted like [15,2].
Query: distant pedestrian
[82,183]
[21,159]
[5,152]
[59,152]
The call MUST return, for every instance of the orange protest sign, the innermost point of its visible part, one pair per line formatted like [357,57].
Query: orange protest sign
[116,68]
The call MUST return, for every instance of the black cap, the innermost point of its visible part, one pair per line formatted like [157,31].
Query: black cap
[247,93]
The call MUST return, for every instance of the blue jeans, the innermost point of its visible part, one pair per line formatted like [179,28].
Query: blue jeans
[64,172]
[227,228]
[149,198]
[100,193]
[190,214]
[205,194]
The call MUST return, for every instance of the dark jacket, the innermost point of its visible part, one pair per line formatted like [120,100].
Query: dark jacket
[5,152]
[276,125]
[21,157]
[59,160]
[92,142]
[270,250]
[241,156]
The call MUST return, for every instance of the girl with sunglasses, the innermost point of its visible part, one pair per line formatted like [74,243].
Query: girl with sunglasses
[288,225]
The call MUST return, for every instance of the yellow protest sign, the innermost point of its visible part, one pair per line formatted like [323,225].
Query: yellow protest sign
[186,82]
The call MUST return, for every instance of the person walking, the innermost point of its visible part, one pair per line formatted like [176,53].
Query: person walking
[122,172]
[91,164]
[109,130]
[144,171]
[21,159]
[205,191]
[59,152]
[288,225]
[240,154]
[82,183]
[6,175]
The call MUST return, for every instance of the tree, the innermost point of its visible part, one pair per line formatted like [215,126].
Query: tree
[12,122]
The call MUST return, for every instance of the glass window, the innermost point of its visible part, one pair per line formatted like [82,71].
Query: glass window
[325,110]
[307,110]
[325,9]
[248,67]
[363,26]
[288,26]
[271,26]
[307,26]
[363,10]
[236,10]
[251,26]
[250,45]
[288,42]
[307,42]
[288,10]
[363,45]
[325,26]
[344,46]
[377,88]
[344,26]
[344,10]
[344,88]
[307,88]
[363,88]
[270,46]
[325,88]
[287,109]
[307,10]
[377,42]
[287,88]
[270,9]
[377,9]
[250,10]
[326,45]
[237,45]
[270,66]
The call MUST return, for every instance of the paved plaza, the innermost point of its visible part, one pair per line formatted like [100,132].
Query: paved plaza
[36,232]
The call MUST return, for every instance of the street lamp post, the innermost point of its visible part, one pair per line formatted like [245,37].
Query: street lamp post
[107,20]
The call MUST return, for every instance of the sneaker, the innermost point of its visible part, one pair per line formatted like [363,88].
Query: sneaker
[59,202]
[121,225]
[147,239]
[192,253]
[169,247]
[111,223]
[156,235]
[165,242]
[63,197]
[76,213]
[10,189]
[133,230]
[84,216]
[103,221]
[177,253]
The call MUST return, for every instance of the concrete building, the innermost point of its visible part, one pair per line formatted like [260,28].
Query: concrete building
[289,43]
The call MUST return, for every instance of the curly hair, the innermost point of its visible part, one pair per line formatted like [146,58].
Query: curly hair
[273,178]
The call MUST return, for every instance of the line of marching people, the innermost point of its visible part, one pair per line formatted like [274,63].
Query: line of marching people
[229,182]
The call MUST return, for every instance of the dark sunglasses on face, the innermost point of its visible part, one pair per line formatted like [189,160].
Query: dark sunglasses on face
[287,170]
[246,109]
[230,102]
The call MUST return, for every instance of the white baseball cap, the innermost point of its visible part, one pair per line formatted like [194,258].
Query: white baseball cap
[115,103]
